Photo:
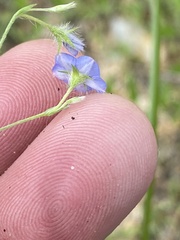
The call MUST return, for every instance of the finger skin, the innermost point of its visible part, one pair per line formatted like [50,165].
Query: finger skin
[82,175]
[27,87]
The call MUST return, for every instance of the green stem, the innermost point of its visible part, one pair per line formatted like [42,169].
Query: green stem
[22,121]
[155,64]
[13,19]
[36,20]
[48,112]
[154,95]
[65,97]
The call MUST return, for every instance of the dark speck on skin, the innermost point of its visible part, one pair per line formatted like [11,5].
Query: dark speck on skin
[63,126]
[72,118]
[58,89]
[4,230]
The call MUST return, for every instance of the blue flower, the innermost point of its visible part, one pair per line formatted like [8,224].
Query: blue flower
[77,44]
[81,73]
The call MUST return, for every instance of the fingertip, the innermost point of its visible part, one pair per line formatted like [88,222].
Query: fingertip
[92,164]
[27,88]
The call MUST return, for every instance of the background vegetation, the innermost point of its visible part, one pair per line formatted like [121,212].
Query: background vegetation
[118,35]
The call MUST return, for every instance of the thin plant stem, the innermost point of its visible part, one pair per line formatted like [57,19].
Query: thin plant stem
[155,64]
[22,13]
[13,19]
[36,20]
[48,112]
[65,97]
[22,121]
[154,96]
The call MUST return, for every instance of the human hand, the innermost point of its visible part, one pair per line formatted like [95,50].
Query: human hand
[81,176]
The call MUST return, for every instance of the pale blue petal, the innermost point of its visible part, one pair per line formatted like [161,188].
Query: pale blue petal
[87,66]
[58,72]
[97,84]
[63,66]
[68,61]
[81,88]
[70,49]
[59,62]
[78,45]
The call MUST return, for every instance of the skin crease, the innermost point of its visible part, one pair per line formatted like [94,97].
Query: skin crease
[78,176]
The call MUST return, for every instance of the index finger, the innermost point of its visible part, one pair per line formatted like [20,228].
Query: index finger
[27,88]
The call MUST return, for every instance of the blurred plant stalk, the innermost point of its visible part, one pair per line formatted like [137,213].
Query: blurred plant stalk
[153,112]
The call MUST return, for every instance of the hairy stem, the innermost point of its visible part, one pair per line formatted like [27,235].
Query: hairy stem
[13,19]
